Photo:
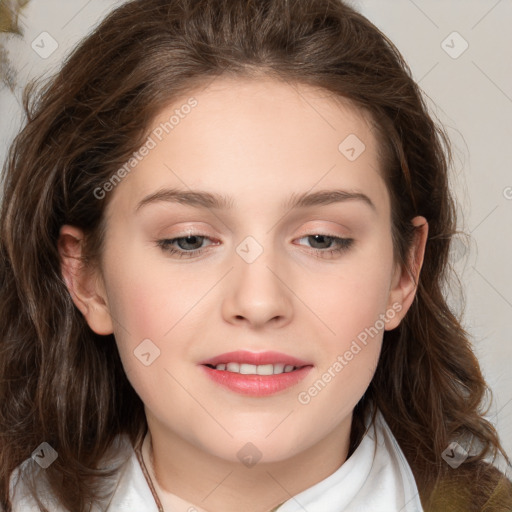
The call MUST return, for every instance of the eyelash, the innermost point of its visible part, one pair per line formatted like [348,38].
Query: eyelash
[344,244]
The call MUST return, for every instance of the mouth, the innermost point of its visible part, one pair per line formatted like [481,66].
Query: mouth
[256,373]
[252,369]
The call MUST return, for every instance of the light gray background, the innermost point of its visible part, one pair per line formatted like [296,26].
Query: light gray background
[470,94]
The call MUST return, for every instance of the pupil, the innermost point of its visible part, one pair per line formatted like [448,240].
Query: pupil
[325,238]
[189,240]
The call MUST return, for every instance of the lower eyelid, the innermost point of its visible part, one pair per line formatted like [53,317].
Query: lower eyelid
[216,242]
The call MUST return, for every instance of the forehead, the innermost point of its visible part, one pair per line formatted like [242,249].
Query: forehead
[254,134]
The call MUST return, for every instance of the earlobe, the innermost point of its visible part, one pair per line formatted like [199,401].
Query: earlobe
[406,277]
[84,284]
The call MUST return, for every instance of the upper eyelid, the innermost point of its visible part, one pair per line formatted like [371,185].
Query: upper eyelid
[215,241]
[212,237]
[303,232]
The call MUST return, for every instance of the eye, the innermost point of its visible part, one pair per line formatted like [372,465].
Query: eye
[184,246]
[192,245]
[330,245]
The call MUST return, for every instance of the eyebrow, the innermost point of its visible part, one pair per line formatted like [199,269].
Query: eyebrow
[200,199]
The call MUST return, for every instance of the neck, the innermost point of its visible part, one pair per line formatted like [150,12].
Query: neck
[198,481]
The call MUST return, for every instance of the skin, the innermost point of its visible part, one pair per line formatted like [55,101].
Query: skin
[258,141]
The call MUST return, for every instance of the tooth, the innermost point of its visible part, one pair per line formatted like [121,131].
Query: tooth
[233,367]
[251,369]
[265,369]
[246,369]
[278,368]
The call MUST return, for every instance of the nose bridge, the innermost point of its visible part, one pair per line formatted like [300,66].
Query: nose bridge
[257,292]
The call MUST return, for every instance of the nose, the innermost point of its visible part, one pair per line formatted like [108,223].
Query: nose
[258,293]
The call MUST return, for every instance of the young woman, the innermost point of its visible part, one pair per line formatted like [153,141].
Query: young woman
[224,238]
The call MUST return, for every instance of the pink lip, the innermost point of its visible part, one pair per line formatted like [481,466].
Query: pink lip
[256,358]
[256,385]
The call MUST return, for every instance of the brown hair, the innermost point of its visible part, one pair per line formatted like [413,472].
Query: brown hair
[63,384]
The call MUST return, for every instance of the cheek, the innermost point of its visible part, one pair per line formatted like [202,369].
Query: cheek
[354,296]
[354,314]
[150,299]
[353,305]
[148,294]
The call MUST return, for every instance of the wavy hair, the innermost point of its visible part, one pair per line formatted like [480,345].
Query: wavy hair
[62,383]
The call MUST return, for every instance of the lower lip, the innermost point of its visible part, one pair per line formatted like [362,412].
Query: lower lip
[256,385]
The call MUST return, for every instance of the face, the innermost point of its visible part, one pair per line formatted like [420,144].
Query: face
[253,237]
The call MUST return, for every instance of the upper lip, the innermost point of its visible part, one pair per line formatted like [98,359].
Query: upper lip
[255,358]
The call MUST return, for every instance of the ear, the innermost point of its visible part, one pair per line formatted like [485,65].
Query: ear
[85,284]
[405,278]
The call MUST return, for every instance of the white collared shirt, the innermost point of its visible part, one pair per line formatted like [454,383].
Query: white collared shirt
[376,478]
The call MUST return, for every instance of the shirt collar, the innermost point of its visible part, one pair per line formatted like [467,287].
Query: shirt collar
[375,477]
